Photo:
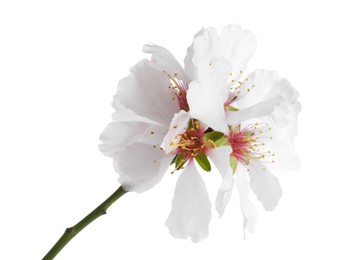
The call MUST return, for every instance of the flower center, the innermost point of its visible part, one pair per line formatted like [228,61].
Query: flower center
[191,142]
[249,143]
[237,92]
[180,89]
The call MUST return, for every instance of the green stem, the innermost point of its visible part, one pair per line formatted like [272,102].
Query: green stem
[73,231]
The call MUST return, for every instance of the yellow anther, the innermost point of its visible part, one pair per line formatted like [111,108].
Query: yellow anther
[152,133]
[172,143]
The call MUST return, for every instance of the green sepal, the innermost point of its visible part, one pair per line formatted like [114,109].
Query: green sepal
[233,163]
[190,123]
[222,142]
[180,166]
[179,161]
[203,161]
[214,136]
[232,108]
[174,159]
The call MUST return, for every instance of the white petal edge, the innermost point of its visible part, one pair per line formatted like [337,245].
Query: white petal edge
[265,186]
[145,92]
[257,110]
[163,60]
[248,210]
[237,46]
[189,66]
[117,135]
[178,126]
[140,166]
[191,207]
[220,156]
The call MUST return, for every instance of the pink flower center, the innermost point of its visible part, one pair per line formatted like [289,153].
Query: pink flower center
[237,92]
[191,142]
[180,89]
[249,143]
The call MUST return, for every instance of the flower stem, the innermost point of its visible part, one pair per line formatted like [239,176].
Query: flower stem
[73,231]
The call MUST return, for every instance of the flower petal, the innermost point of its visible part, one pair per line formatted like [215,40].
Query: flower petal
[283,147]
[163,60]
[237,46]
[125,115]
[257,110]
[207,105]
[214,74]
[141,166]
[220,156]
[259,86]
[263,94]
[189,65]
[265,185]
[178,126]
[247,208]
[191,208]
[118,135]
[146,92]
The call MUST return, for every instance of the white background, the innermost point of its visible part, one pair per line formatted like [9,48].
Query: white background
[60,62]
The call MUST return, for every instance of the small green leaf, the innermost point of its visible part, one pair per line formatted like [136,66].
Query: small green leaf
[203,161]
[190,125]
[214,136]
[233,162]
[181,164]
[222,142]
[174,159]
[232,108]
[179,160]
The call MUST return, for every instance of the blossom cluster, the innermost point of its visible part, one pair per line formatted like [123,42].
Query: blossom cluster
[209,114]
